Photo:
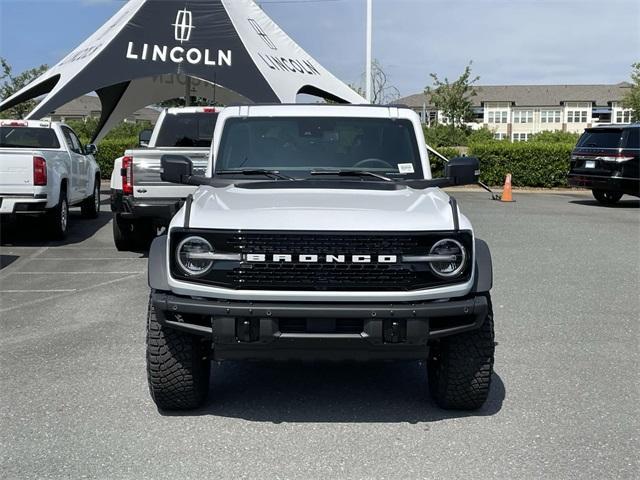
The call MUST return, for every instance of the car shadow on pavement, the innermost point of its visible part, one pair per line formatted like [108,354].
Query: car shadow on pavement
[624,203]
[28,231]
[274,392]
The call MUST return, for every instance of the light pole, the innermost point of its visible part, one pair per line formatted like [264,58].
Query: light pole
[368,66]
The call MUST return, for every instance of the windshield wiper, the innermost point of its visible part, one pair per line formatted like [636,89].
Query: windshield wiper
[256,171]
[351,173]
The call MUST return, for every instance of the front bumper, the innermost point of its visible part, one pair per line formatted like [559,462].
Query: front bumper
[285,330]
[161,210]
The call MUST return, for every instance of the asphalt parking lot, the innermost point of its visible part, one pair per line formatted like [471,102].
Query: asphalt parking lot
[564,401]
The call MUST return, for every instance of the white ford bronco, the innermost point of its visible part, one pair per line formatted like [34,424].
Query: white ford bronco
[318,232]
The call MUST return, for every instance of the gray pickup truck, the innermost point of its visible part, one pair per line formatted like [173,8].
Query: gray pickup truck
[140,201]
[318,232]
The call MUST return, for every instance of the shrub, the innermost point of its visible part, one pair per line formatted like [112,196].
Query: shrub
[555,137]
[532,164]
[440,135]
[437,164]
[109,150]
[123,130]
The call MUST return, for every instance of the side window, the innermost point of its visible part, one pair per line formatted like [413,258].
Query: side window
[72,141]
[633,138]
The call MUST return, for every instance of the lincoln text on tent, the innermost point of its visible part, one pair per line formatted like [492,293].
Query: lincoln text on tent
[178,54]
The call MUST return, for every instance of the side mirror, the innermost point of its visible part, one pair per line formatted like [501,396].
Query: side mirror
[463,170]
[144,137]
[176,168]
[90,149]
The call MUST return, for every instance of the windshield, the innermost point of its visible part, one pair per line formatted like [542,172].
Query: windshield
[187,130]
[301,145]
[23,137]
[608,138]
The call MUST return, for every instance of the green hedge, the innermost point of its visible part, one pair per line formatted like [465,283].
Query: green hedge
[437,165]
[109,150]
[532,164]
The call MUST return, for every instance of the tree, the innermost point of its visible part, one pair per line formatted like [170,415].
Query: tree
[632,97]
[453,98]
[382,92]
[12,83]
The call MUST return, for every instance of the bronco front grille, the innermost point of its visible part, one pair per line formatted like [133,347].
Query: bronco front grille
[321,276]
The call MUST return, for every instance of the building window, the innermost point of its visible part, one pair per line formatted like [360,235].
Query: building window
[623,116]
[499,136]
[523,116]
[550,116]
[520,137]
[498,116]
[577,116]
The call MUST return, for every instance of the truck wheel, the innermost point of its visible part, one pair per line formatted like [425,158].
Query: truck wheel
[460,368]
[177,366]
[132,235]
[123,235]
[90,207]
[606,197]
[58,217]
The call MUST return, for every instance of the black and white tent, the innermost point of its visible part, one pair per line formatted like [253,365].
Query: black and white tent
[230,48]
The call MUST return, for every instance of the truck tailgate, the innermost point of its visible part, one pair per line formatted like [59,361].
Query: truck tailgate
[16,171]
[146,172]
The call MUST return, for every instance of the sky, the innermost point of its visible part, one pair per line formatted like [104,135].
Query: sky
[509,41]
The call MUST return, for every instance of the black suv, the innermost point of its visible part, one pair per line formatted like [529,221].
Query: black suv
[606,160]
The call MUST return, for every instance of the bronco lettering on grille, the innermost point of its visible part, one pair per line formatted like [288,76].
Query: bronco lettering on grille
[313,258]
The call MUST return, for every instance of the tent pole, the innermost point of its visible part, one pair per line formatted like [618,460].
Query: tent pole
[368,80]
[187,91]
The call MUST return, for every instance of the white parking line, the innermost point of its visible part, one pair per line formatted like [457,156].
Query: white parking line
[92,259]
[64,290]
[78,273]
[46,299]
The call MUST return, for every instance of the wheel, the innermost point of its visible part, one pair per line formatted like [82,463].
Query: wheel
[177,366]
[58,217]
[460,368]
[123,235]
[606,197]
[132,235]
[90,207]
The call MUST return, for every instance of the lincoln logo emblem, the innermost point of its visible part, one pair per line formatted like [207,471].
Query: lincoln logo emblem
[261,33]
[183,25]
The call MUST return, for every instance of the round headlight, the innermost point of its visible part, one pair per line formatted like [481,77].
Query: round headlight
[191,256]
[455,264]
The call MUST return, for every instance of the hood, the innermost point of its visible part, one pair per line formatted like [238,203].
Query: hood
[331,209]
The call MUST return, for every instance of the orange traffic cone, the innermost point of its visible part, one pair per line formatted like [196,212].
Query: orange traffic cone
[506,191]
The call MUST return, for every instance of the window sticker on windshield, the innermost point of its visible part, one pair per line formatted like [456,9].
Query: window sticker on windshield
[405,167]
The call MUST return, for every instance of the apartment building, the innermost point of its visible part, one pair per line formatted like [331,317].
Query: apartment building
[518,111]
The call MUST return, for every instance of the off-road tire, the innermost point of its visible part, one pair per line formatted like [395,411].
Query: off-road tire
[177,366]
[460,368]
[606,197]
[58,217]
[90,207]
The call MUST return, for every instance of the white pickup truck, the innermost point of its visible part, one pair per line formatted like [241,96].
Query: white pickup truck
[140,201]
[44,169]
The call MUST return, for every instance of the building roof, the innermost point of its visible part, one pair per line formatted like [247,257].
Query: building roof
[536,95]
[89,105]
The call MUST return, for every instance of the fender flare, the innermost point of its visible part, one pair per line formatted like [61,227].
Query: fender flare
[484,268]
[157,265]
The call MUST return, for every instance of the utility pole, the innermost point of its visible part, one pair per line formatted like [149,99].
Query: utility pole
[187,90]
[368,80]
